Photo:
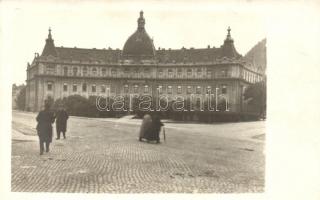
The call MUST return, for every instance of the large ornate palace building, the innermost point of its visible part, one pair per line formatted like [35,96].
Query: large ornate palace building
[140,69]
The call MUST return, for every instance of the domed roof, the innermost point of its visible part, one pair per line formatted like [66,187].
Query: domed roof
[139,44]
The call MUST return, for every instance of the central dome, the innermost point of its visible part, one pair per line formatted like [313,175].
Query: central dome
[139,44]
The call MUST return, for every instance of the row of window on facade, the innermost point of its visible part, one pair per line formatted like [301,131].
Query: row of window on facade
[146,89]
[146,71]
[250,77]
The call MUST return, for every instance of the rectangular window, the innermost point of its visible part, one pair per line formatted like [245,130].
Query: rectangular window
[126,88]
[146,71]
[169,89]
[146,89]
[135,89]
[209,73]
[93,88]
[198,90]
[49,86]
[74,88]
[224,89]
[65,87]
[160,89]
[104,71]
[84,87]
[224,73]
[114,72]
[65,71]
[199,72]
[113,89]
[103,88]
[170,73]
[50,68]
[189,72]
[75,71]
[179,89]
[94,71]
[126,71]
[179,72]
[208,90]
[160,72]
[84,71]
[136,72]
[189,90]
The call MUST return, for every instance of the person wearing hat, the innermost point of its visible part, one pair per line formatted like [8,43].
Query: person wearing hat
[61,121]
[45,120]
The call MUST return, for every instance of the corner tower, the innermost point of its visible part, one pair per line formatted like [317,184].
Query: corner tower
[227,49]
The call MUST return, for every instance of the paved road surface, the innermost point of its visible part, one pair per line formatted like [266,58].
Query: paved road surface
[104,156]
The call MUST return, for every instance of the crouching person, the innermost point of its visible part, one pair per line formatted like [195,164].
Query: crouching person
[45,119]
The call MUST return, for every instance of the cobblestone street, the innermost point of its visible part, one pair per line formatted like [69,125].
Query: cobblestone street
[105,156]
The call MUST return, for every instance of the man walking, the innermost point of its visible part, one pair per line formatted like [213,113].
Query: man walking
[45,119]
[61,122]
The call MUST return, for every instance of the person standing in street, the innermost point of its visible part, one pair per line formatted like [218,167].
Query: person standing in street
[156,127]
[61,122]
[45,120]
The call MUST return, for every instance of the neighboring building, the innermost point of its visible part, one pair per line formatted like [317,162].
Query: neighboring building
[139,69]
[15,92]
[257,57]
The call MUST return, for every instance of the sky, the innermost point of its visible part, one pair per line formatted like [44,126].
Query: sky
[103,24]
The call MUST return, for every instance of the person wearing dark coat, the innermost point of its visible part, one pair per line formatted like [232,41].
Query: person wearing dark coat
[156,127]
[146,127]
[45,119]
[61,122]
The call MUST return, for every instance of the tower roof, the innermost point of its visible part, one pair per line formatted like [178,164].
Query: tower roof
[139,44]
[49,48]
[227,49]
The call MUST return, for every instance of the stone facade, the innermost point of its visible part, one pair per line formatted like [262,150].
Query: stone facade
[139,69]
